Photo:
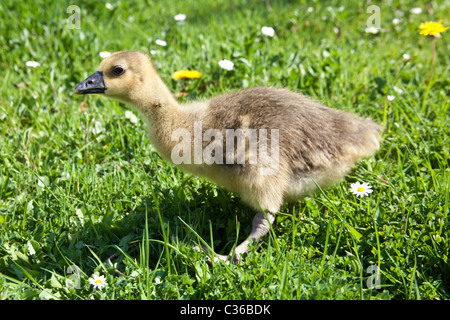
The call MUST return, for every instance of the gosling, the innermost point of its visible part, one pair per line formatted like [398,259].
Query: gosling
[268,145]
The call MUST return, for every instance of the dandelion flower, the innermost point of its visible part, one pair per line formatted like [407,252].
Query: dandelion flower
[105,54]
[416,10]
[97,282]
[226,64]
[360,189]
[160,42]
[268,31]
[186,74]
[431,28]
[180,17]
[32,64]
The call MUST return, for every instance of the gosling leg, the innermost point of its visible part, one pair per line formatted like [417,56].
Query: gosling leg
[260,227]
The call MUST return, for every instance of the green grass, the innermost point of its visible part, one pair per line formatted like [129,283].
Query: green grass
[80,185]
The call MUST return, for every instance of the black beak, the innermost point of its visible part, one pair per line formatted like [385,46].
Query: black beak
[92,84]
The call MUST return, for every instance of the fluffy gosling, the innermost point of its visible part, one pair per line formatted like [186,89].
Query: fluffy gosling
[268,145]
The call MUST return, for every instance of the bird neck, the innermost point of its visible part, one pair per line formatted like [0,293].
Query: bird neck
[162,112]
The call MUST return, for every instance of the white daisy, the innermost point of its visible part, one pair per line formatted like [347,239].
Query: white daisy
[268,31]
[226,64]
[372,30]
[391,97]
[97,282]
[32,64]
[406,57]
[180,17]
[109,6]
[396,21]
[105,54]
[131,116]
[360,189]
[397,89]
[160,42]
[416,10]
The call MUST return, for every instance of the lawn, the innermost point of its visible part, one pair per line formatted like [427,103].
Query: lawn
[82,192]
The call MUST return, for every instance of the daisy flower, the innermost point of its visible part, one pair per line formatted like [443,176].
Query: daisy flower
[109,6]
[397,89]
[268,31]
[180,17]
[105,54]
[372,30]
[32,64]
[160,42]
[406,57]
[432,28]
[97,282]
[131,116]
[416,10]
[391,97]
[226,64]
[360,189]
[186,74]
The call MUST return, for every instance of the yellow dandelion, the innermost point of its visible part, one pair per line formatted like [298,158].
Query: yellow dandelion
[431,28]
[186,74]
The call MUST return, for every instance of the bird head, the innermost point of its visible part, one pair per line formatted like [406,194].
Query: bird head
[127,76]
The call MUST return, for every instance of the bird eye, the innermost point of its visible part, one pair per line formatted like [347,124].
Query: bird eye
[118,70]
